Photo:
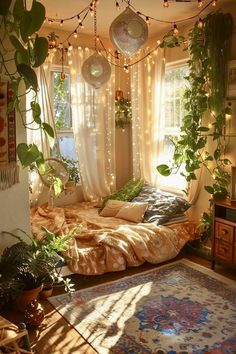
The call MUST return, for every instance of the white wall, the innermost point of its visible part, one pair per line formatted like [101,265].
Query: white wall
[14,202]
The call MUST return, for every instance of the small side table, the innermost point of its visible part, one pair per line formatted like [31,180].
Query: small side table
[13,339]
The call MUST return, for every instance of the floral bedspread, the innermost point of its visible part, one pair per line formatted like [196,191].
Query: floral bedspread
[106,244]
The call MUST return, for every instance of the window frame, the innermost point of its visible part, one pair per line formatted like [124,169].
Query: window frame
[168,187]
[66,70]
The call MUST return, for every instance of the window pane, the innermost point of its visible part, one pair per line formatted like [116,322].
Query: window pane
[61,101]
[174,89]
[67,147]
[173,113]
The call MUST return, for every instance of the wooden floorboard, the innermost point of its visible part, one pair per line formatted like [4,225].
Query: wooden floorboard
[55,335]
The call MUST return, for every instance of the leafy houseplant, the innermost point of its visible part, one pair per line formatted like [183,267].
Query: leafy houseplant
[72,167]
[18,62]
[25,266]
[123,112]
[209,48]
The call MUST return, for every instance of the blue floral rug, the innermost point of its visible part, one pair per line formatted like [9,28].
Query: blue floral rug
[179,308]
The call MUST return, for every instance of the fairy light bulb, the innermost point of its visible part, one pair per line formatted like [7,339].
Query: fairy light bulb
[147,20]
[61,23]
[75,34]
[62,76]
[214,3]
[166,3]
[176,31]
[117,6]
[200,3]
[200,23]
[78,18]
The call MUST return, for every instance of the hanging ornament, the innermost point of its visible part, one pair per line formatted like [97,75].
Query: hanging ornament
[96,70]
[128,32]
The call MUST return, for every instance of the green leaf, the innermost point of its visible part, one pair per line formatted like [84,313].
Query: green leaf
[36,112]
[227,162]
[22,58]
[16,43]
[4,7]
[18,9]
[37,14]
[164,170]
[26,19]
[208,158]
[217,154]
[203,129]
[48,129]
[40,50]
[28,154]
[209,189]
[29,75]
[57,186]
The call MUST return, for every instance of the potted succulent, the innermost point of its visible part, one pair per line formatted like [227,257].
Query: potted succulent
[24,267]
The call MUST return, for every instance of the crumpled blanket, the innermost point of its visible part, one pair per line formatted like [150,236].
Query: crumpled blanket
[106,244]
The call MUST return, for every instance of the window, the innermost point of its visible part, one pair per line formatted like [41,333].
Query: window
[61,99]
[172,115]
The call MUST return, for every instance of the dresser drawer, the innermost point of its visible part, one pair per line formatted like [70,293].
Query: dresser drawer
[234,259]
[224,232]
[224,250]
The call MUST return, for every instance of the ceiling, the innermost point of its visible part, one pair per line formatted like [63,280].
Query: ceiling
[107,12]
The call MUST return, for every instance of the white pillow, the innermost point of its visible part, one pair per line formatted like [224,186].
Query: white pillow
[132,211]
[112,207]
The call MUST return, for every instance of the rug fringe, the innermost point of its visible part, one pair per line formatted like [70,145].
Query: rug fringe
[9,175]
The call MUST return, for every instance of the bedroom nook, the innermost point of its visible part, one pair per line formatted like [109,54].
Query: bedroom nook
[117,176]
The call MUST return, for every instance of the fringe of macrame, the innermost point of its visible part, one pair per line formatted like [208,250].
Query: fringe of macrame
[9,175]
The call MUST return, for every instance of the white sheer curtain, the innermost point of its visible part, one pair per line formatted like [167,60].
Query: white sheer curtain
[37,136]
[93,112]
[146,93]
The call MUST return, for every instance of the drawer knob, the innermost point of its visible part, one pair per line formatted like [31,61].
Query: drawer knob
[224,232]
[224,250]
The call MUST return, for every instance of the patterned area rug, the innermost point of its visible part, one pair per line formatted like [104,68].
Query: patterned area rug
[177,308]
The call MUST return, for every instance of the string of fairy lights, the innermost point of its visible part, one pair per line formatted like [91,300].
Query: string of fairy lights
[66,46]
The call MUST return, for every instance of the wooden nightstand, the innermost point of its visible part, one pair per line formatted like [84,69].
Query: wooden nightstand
[224,232]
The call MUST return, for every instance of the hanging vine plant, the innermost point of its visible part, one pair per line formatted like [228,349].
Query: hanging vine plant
[123,112]
[209,48]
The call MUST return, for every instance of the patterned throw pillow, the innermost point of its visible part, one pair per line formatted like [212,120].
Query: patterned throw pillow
[162,206]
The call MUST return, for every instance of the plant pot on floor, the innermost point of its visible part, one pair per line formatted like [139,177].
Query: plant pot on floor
[26,297]
[46,291]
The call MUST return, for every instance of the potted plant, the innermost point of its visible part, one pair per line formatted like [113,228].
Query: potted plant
[72,167]
[24,267]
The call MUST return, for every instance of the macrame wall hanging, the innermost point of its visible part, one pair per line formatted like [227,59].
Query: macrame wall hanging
[9,171]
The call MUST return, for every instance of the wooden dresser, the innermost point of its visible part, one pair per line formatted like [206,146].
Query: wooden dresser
[224,232]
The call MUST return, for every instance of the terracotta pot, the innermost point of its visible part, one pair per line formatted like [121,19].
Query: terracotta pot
[25,298]
[46,292]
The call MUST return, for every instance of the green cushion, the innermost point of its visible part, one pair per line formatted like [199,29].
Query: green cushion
[129,191]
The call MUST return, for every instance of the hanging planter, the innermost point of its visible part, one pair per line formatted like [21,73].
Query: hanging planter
[128,32]
[123,112]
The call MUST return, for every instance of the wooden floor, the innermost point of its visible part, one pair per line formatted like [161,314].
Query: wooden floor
[56,336]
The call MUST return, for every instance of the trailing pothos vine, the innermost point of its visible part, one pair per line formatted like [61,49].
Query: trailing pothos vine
[22,51]
[209,46]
